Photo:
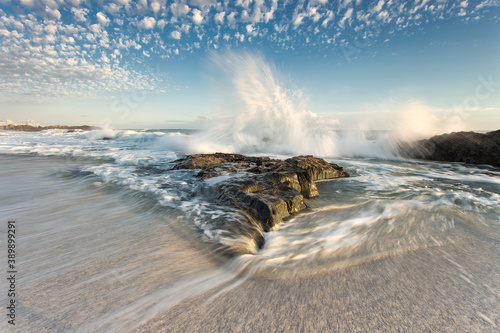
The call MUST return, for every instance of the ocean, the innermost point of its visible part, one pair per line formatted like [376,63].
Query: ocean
[110,239]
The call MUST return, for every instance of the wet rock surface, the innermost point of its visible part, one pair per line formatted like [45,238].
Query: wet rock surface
[266,190]
[467,147]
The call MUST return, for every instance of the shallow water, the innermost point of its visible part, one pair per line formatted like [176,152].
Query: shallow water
[110,239]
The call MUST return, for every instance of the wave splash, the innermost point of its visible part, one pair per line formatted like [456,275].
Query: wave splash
[271,118]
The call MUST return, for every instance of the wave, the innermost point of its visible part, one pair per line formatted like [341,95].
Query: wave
[262,114]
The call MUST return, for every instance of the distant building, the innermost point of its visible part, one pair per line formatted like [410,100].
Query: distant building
[10,122]
[2,123]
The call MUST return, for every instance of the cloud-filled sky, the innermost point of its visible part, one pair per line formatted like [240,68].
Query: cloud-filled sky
[150,63]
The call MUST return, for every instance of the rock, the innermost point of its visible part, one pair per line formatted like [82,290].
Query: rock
[266,190]
[28,128]
[468,147]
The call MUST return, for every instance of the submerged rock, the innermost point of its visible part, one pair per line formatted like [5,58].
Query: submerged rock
[468,147]
[266,190]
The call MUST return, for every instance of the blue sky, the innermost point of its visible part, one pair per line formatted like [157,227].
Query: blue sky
[172,64]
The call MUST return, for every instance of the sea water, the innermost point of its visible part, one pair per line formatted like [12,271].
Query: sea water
[91,212]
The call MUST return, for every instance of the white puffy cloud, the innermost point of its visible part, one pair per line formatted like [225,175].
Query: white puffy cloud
[53,13]
[27,3]
[249,28]
[315,2]
[102,19]
[219,17]
[80,14]
[5,32]
[297,20]
[313,14]
[51,29]
[75,3]
[155,6]
[185,28]
[147,23]
[175,34]
[378,7]
[52,4]
[329,17]
[244,3]
[202,3]
[231,18]
[347,17]
[112,8]
[197,17]
[121,2]
[179,9]
[161,24]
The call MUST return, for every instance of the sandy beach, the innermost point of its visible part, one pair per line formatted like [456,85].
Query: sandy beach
[134,270]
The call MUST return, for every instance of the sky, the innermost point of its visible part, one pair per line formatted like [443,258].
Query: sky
[173,64]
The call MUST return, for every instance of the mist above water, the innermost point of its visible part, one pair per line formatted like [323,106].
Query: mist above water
[260,113]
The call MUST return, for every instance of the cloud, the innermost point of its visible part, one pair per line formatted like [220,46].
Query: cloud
[75,3]
[197,17]
[313,14]
[175,34]
[378,7]
[155,6]
[297,20]
[347,17]
[112,8]
[53,13]
[328,18]
[219,17]
[27,3]
[178,9]
[121,2]
[161,24]
[202,3]
[121,33]
[231,19]
[51,4]
[102,19]
[249,29]
[147,23]
[80,14]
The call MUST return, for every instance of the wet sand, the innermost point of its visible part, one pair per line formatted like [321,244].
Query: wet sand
[93,258]
[454,288]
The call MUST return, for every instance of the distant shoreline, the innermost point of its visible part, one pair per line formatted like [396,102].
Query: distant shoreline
[28,128]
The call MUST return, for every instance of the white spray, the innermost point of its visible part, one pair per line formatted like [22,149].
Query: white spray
[267,120]
[262,116]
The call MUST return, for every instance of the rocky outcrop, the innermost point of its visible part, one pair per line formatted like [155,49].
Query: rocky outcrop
[267,190]
[467,147]
[28,128]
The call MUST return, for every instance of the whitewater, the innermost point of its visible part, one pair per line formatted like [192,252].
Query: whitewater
[112,239]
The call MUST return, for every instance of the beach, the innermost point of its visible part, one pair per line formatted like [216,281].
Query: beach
[95,259]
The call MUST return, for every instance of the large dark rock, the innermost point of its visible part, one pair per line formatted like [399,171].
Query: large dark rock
[468,147]
[267,190]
